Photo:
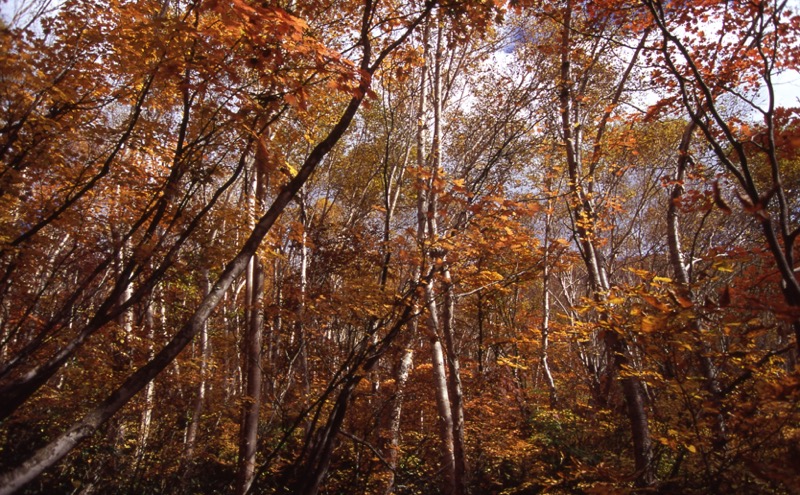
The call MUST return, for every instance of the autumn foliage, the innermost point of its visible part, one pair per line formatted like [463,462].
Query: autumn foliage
[399,247]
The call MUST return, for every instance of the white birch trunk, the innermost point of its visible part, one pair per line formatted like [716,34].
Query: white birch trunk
[394,423]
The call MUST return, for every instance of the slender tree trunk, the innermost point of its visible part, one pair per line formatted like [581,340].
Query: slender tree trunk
[150,390]
[636,407]
[392,178]
[394,422]
[315,467]
[125,318]
[300,327]
[453,473]
[585,217]
[682,276]
[422,193]
[200,397]
[61,445]
[446,388]
[481,318]
[252,349]
[248,441]
[197,408]
[454,386]
[319,463]
[442,403]
[551,385]
[441,391]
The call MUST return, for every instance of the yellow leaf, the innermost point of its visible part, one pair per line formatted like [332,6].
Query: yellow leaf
[288,170]
[652,301]
[640,273]
[650,324]
[491,275]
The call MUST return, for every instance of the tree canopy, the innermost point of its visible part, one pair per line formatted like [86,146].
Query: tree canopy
[399,247]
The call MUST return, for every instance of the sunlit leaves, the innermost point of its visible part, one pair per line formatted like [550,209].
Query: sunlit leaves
[135,132]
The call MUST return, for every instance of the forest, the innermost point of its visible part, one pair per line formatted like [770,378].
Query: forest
[399,247]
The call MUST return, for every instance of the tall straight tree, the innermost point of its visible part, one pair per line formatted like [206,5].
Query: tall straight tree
[252,345]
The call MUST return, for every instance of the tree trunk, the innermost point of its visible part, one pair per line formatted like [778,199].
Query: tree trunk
[300,327]
[394,422]
[447,388]
[445,418]
[199,405]
[551,385]
[454,386]
[683,277]
[441,391]
[358,366]
[54,451]
[150,390]
[252,347]
[585,216]
[248,437]
[635,404]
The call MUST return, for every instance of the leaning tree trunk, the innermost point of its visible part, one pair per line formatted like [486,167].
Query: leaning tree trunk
[50,454]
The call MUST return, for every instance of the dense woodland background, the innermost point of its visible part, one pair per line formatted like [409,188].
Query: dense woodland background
[381,246]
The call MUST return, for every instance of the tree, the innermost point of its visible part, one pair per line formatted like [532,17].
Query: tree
[582,75]
[254,19]
[379,247]
[759,43]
